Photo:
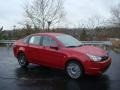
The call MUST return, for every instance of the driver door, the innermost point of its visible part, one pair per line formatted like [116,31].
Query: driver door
[51,57]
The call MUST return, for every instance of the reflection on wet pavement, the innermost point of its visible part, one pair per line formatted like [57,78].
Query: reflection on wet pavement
[40,78]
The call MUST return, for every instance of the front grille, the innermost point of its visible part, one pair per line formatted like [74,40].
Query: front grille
[104,58]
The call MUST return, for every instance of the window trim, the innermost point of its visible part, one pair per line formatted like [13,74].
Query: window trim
[42,37]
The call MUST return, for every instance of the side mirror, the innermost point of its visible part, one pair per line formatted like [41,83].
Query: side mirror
[54,47]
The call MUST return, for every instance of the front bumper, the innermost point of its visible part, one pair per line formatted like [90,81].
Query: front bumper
[97,68]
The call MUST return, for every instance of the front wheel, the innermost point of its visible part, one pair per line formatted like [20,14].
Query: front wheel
[22,60]
[74,70]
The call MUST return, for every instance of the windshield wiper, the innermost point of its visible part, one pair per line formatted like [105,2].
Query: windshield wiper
[79,45]
[71,46]
[74,46]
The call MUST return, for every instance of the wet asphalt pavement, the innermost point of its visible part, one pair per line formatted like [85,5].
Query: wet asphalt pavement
[35,77]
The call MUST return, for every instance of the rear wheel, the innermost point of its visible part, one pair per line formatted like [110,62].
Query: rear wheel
[22,60]
[74,70]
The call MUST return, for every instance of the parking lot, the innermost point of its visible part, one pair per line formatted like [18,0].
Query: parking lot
[35,77]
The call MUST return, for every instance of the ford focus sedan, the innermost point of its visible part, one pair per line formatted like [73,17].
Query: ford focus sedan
[61,51]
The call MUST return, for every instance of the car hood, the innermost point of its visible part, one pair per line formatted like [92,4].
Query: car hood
[90,50]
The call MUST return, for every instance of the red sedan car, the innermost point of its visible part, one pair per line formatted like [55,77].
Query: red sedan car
[62,51]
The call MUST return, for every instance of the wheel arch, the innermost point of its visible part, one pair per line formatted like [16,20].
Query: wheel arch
[76,60]
[20,53]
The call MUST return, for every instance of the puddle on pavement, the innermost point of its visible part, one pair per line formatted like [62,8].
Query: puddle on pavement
[45,78]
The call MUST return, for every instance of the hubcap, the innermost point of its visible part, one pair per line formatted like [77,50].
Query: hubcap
[74,70]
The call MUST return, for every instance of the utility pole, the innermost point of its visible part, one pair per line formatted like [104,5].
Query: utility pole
[1,28]
[14,27]
[49,23]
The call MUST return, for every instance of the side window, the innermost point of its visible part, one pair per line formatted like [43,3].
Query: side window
[47,41]
[35,40]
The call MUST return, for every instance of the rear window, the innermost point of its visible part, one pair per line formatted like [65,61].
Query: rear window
[25,40]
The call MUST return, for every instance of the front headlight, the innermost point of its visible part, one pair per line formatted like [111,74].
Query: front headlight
[94,58]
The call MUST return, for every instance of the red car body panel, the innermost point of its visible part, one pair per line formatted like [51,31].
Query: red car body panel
[58,58]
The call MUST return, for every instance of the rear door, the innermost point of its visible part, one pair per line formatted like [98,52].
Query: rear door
[34,49]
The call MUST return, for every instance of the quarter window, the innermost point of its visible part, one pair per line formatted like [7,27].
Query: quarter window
[25,40]
[35,40]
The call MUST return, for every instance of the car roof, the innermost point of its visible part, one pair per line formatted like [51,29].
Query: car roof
[51,34]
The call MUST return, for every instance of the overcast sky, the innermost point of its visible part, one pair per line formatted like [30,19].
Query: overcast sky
[11,11]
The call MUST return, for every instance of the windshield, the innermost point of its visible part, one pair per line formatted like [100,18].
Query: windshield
[69,41]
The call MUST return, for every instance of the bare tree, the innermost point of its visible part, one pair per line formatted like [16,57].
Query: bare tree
[115,12]
[95,21]
[44,13]
[92,22]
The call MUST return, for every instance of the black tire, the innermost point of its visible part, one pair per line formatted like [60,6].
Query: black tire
[22,60]
[74,70]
